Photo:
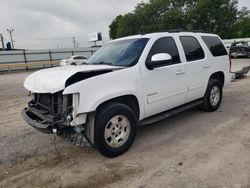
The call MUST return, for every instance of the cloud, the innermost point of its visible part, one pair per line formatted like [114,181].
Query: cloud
[42,24]
[243,3]
[46,24]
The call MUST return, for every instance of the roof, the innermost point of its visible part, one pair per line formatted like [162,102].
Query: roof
[163,33]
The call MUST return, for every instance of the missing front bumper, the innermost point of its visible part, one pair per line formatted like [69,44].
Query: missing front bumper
[69,133]
[35,123]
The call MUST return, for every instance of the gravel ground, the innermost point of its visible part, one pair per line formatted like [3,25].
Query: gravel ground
[191,149]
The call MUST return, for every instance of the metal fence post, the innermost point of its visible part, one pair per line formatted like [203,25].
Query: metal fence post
[25,60]
[50,58]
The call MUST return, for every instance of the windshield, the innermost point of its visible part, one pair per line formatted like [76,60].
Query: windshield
[119,53]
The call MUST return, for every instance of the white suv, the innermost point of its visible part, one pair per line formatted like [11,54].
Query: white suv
[131,81]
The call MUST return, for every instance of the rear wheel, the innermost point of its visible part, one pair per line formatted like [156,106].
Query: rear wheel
[213,96]
[115,129]
[73,63]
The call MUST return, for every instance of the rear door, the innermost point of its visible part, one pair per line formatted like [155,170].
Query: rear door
[197,64]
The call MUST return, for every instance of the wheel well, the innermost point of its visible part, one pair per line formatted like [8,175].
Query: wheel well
[218,76]
[129,100]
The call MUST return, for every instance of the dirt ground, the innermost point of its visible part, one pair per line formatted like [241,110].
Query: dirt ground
[192,149]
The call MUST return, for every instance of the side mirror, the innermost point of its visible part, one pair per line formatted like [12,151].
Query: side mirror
[159,60]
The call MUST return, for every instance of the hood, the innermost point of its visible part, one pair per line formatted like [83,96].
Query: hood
[54,79]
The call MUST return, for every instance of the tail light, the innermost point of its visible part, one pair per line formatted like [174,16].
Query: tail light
[230,62]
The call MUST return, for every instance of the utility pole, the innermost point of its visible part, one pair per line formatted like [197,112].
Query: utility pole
[1,38]
[74,42]
[12,42]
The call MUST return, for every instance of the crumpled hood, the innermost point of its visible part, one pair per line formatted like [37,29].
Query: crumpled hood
[53,79]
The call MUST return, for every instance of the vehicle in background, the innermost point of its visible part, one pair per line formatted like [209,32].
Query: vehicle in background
[240,49]
[74,60]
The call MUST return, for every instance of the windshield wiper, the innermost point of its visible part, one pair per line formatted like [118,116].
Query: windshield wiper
[102,63]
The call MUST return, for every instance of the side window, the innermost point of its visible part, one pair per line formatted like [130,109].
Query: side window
[165,45]
[215,45]
[192,48]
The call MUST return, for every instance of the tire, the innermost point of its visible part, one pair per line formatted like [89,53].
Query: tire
[213,96]
[73,63]
[111,136]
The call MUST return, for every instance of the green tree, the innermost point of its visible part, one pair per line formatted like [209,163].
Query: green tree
[113,27]
[153,16]
[216,16]
[242,28]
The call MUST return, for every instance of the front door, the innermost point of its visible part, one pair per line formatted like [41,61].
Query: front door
[165,87]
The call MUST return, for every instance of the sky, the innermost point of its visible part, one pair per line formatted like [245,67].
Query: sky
[49,24]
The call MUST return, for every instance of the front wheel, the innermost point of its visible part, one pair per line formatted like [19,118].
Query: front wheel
[213,96]
[115,129]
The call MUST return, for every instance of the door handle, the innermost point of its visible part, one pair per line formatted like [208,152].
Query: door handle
[206,66]
[180,72]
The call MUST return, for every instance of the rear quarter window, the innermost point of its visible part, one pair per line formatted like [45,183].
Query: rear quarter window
[215,45]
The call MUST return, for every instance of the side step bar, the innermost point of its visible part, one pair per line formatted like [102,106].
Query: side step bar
[169,113]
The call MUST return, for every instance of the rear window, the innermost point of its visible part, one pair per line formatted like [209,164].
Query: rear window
[239,49]
[215,45]
[79,57]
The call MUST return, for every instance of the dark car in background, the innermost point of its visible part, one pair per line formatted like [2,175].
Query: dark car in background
[240,49]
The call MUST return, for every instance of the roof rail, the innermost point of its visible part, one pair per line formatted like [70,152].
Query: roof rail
[198,31]
[179,31]
[173,30]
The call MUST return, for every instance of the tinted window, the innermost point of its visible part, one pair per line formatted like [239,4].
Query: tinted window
[239,49]
[165,45]
[192,48]
[215,45]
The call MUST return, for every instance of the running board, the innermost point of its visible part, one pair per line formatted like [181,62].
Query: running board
[169,113]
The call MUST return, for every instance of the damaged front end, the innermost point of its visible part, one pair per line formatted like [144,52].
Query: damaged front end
[52,111]
[57,113]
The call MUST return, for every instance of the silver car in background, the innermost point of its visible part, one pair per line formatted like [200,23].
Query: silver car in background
[73,60]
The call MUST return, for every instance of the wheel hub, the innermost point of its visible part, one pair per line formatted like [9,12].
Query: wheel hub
[215,96]
[117,131]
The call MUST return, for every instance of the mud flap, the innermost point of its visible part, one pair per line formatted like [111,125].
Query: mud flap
[77,137]
[89,131]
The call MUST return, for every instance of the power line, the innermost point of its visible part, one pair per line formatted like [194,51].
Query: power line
[12,42]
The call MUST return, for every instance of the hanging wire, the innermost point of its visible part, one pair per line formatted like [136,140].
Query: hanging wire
[55,146]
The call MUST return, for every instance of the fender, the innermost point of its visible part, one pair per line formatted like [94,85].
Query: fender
[96,90]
